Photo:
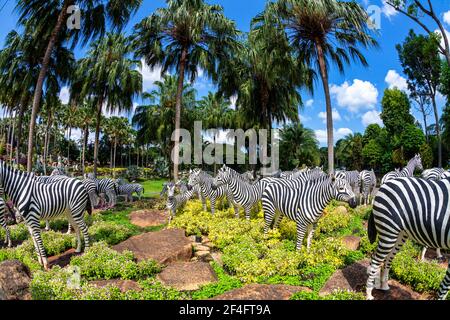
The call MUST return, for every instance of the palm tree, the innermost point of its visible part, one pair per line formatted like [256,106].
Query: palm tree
[85,120]
[109,77]
[322,32]
[155,122]
[46,19]
[184,36]
[217,114]
[298,146]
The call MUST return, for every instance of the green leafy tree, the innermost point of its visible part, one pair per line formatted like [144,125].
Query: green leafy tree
[321,33]
[426,153]
[108,76]
[421,63]
[184,36]
[396,111]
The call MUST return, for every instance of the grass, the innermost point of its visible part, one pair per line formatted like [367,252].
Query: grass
[152,188]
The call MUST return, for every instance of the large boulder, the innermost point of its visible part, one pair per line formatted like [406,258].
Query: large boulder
[187,276]
[15,280]
[148,218]
[164,246]
[354,277]
[262,292]
[351,242]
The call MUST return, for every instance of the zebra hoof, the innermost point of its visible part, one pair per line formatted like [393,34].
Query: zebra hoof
[441,259]
[382,287]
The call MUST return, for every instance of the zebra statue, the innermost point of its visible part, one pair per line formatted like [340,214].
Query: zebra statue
[303,203]
[127,190]
[244,193]
[176,201]
[107,187]
[205,181]
[314,173]
[408,171]
[408,208]
[435,174]
[352,178]
[35,201]
[368,182]
[3,217]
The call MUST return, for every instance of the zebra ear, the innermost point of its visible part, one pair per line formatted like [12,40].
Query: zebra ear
[332,177]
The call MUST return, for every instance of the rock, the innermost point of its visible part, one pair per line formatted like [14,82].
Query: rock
[341,210]
[262,292]
[204,256]
[123,285]
[200,247]
[146,218]
[164,246]
[62,259]
[15,280]
[354,277]
[187,276]
[351,242]
[205,240]
[209,244]
[217,257]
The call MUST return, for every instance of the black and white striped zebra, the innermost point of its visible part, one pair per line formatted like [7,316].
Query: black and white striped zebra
[3,221]
[35,201]
[412,208]
[244,193]
[176,201]
[127,190]
[352,177]
[205,181]
[368,182]
[435,174]
[303,203]
[408,171]
[106,187]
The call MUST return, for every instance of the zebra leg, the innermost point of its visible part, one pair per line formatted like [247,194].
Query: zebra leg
[247,213]
[213,205]
[445,285]
[278,219]
[385,246]
[131,197]
[236,212]
[47,225]
[310,236]
[5,226]
[35,232]
[69,229]
[422,254]
[440,257]
[203,201]
[301,231]
[387,264]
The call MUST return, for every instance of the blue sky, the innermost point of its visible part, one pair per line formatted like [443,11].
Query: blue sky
[356,95]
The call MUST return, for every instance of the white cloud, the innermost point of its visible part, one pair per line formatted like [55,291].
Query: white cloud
[336,116]
[309,103]
[394,80]
[233,100]
[361,95]
[149,76]
[64,95]
[340,133]
[371,117]
[447,17]
[304,118]
[388,10]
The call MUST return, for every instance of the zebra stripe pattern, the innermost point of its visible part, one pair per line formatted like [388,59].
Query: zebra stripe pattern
[405,208]
[205,181]
[107,187]
[3,222]
[35,201]
[368,181]
[408,171]
[127,190]
[244,193]
[435,174]
[176,201]
[304,203]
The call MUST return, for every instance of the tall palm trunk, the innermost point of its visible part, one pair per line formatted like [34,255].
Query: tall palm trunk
[97,134]
[176,149]
[115,155]
[326,88]
[438,130]
[40,82]
[12,141]
[83,154]
[46,143]
[68,143]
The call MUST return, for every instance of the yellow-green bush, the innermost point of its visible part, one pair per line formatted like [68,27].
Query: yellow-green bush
[332,220]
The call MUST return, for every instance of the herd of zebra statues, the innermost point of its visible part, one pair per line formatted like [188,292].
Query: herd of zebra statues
[35,198]
[404,206]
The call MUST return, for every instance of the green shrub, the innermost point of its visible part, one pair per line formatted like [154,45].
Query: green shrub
[52,285]
[332,220]
[110,232]
[329,251]
[17,232]
[101,262]
[335,295]
[288,229]
[421,276]
[315,277]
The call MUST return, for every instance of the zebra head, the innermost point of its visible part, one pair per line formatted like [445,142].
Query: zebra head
[223,177]
[171,190]
[194,178]
[164,189]
[418,162]
[344,192]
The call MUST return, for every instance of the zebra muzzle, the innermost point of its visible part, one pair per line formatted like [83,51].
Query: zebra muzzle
[352,203]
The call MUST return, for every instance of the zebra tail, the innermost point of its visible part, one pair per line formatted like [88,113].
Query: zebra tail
[371,229]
